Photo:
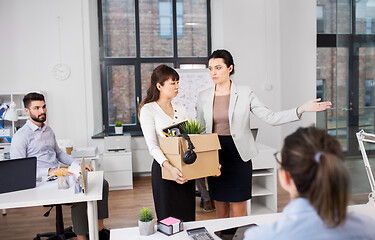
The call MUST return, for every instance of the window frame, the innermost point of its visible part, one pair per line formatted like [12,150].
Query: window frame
[135,129]
[351,41]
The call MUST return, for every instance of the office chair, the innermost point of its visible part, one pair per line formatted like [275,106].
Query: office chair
[61,233]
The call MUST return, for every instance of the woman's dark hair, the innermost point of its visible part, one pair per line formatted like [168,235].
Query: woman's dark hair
[225,55]
[33,96]
[314,161]
[160,74]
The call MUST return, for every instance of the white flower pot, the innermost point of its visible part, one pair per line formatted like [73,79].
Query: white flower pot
[146,228]
[118,130]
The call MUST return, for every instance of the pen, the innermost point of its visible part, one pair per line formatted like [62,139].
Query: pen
[67,171]
[166,134]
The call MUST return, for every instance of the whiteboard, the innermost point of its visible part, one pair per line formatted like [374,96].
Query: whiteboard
[192,81]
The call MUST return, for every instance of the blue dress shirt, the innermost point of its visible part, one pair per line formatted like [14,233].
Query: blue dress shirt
[300,221]
[40,142]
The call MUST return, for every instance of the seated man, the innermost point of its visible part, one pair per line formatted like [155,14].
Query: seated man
[36,139]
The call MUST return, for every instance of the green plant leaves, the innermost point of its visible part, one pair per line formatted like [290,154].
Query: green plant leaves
[118,124]
[145,215]
[192,127]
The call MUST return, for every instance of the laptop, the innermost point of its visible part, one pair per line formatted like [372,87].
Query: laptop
[17,174]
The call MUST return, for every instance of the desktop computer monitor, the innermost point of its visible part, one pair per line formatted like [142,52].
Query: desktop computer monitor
[17,174]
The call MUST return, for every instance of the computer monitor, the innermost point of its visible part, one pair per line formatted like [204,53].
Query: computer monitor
[17,174]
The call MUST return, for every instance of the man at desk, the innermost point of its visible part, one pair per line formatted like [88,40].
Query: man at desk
[36,139]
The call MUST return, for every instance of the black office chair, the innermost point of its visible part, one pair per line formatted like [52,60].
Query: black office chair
[61,233]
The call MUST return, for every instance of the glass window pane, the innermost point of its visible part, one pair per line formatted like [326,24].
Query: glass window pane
[367,90]
[365,17]
[192,41]
[326,16]
[344,16]
[326,85]
[146,71]
[119,28]
[332,67]
[342,101]
[166,27]
[121,95]
[328,22]
[152,22]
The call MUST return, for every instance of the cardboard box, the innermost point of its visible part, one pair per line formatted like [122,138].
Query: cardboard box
[206,148]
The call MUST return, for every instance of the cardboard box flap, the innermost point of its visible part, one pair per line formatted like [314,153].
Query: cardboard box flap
[203,142]
[169,145]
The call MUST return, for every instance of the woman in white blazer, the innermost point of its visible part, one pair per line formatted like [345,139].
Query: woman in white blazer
[225,109]
[171,198]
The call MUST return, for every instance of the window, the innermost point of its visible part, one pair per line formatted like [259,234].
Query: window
[166,18]
[346,62]
[320,19]
[138,35]
[320,89]
[369,97]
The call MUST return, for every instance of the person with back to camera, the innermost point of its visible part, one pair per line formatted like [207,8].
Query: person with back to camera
[171,198]
[312,171]
[225,109]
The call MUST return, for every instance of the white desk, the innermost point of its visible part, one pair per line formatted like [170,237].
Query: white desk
[217,224]
[47,193]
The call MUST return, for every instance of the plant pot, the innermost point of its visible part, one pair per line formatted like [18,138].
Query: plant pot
[118,130]
[146,228]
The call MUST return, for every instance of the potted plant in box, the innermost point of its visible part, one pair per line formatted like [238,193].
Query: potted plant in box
[118,127]
[192,127]
[146,222]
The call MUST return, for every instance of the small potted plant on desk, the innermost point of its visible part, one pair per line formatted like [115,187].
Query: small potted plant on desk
[146,222]
[118,127]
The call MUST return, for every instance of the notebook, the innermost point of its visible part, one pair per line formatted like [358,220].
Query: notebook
[17,174]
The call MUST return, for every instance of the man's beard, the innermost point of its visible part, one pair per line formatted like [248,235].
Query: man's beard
[41,118]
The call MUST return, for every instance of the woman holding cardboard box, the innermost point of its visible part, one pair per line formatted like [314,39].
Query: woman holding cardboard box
[225,109]
[171,198]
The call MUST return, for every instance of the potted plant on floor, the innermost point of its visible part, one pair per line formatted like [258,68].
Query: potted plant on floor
[146,222]
[118,127]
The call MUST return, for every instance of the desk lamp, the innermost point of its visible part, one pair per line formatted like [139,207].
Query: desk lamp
[10,112]
[362,136]
[7,112]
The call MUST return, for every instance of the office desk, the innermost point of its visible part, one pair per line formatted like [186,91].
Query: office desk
[47,193]
[217,224]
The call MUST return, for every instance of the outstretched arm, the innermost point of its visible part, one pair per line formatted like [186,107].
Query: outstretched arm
[313,106]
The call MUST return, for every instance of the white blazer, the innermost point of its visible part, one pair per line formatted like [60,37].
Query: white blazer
[242,101]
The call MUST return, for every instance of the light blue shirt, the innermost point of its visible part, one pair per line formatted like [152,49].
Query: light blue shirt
[40,142]
[300,221]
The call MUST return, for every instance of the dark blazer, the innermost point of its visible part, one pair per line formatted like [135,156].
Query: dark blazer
[243,101]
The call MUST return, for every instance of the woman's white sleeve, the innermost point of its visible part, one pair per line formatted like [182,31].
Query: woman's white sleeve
[148,128]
